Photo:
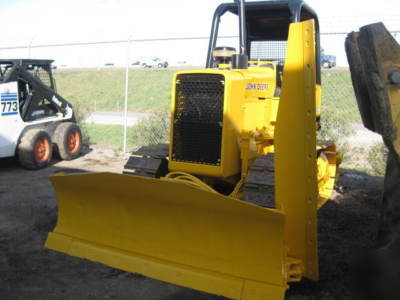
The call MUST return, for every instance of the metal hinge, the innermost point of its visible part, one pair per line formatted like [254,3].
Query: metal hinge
[294,269]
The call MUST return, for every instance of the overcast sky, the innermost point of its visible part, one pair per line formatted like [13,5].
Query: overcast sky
[44,22]
[58,21]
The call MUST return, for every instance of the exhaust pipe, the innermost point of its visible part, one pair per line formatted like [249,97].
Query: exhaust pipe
[240,61]
[242,27]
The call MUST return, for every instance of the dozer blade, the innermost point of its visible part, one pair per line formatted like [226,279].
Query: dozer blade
[173,232]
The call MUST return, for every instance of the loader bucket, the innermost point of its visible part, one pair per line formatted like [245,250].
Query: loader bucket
[375,51]
[172,232]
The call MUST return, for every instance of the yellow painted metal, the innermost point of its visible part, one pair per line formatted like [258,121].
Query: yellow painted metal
[249,103]
[295,269]
[296,189]
[231,120]
[327,166]
[172,232]
[186,235]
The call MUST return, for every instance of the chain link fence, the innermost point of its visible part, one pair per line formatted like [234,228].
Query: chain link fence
[360,148]
[97,91]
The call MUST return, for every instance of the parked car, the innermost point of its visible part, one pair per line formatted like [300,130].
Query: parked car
[154,62]
[327,61]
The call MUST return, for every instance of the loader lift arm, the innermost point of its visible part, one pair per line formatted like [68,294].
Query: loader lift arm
[34,118]
[35,75]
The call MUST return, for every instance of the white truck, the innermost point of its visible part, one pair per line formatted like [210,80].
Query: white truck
[34,119]
[153,62]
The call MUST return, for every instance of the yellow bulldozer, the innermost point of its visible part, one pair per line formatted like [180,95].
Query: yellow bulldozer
[229,205]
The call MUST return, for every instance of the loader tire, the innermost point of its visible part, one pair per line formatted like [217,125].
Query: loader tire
[68,140]
[35,149]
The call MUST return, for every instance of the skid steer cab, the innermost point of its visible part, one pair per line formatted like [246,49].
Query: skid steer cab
[229,205]
[34,119]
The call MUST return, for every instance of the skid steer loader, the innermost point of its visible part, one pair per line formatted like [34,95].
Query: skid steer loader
[229,205]
[33,116]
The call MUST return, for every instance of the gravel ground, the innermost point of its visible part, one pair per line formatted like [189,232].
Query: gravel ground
[348,224]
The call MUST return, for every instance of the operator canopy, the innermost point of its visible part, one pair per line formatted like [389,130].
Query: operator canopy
[266,22]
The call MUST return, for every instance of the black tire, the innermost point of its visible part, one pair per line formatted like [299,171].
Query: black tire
[29,156]
[325,65]
[62,136]
[160,65]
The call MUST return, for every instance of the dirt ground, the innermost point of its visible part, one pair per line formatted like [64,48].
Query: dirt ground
[28,212]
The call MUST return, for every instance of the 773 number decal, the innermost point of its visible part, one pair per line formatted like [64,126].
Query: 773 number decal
[9,108]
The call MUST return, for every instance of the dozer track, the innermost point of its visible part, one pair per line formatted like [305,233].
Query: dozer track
[260,182]
[148,161]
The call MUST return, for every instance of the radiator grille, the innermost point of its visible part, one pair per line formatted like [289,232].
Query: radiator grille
[199,103]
